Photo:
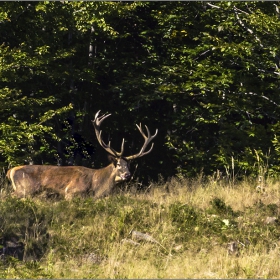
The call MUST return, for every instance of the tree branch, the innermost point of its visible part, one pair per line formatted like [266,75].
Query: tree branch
[245,27]
[213,6]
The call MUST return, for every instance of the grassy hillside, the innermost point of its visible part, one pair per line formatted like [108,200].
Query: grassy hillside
[195,229]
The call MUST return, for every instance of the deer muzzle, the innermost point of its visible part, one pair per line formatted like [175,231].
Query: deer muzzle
[122,177]
[125,176]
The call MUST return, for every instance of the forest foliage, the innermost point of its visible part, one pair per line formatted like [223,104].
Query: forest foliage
[206,74]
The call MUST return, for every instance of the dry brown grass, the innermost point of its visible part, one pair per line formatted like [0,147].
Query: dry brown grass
[87,238]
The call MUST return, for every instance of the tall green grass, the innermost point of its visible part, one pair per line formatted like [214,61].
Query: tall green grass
[204,228]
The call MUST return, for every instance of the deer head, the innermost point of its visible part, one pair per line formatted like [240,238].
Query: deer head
[120,161]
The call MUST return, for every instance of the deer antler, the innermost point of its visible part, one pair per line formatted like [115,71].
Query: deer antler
[148,139]
[96,123]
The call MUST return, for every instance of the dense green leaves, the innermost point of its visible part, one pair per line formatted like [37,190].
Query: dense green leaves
[206,74]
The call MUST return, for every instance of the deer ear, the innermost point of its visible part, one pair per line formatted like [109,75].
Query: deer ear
[112,159]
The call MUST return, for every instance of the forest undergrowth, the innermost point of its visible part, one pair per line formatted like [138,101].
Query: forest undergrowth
[181,228]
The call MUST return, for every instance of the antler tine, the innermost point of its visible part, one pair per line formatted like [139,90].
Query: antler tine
[96,123]
[147,140]
[99,120]
[122,148]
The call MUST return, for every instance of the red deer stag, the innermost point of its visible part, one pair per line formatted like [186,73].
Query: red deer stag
[69,181]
